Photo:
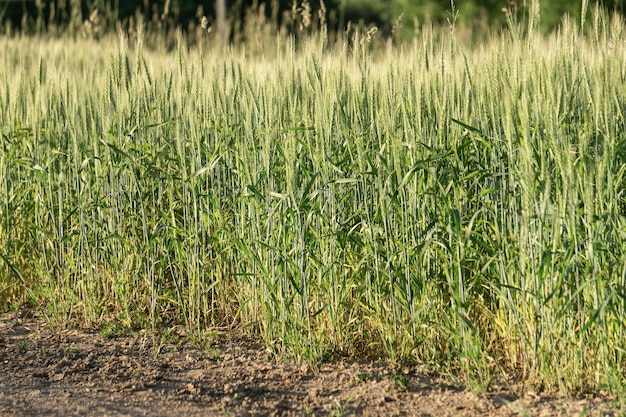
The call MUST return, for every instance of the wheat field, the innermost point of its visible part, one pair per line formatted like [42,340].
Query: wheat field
[457,205]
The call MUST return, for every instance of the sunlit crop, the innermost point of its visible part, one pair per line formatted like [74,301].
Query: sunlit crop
[461,206]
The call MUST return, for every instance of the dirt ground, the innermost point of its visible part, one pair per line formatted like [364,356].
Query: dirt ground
[78,372]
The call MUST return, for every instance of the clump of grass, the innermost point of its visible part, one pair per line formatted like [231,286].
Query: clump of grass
[459,206]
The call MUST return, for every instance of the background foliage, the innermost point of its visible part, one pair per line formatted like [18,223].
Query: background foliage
[32,15]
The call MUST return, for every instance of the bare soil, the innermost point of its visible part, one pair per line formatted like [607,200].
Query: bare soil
[44,372]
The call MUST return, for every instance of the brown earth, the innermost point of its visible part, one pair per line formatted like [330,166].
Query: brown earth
[80,372]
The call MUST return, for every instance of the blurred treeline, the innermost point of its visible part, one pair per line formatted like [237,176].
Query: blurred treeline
[98,16]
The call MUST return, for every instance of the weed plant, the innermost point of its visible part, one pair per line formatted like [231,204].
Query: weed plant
[460,206]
